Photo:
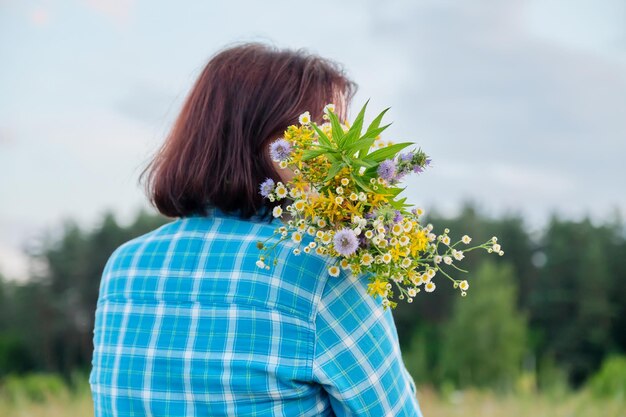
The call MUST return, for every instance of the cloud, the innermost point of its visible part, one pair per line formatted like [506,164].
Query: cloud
[147,103]
[120,11]
[7,136]
[491,103]
[39,16]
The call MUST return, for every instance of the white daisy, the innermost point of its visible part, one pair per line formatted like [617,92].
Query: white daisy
[305,118]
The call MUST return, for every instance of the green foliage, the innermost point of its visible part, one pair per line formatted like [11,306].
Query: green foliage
[36,387]
[484,341]
[46,323]
[610,381]
[570,280]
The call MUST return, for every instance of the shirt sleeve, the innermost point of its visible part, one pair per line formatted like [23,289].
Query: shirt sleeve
[357,356]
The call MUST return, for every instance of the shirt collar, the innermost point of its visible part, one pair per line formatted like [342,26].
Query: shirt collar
[213,211]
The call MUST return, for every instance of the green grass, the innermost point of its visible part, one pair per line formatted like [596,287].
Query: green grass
[28,398]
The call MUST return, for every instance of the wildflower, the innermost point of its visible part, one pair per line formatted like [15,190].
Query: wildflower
[266,187]
[466,239]
[406,157]
[362,196]
[445,239]
[406,262]
[369,234]
[344,264]
[387,169]
[282,164]
[306,249]
[345,242]
[281,192]
[296,251]
[299,205]
[496,247]
[296,237]
[330,107]
[305,118]
[277,212]
[430,286]
[447,260]
[387,258]
[333,271]
[321,223]
[354,197]
[458,255]
[339,190]
[412,292]
[339,199]
[345,181]
[280,150]
[366,259]
[464,285]
[260,264]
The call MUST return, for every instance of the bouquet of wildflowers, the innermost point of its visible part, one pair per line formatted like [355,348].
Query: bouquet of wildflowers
[344,193]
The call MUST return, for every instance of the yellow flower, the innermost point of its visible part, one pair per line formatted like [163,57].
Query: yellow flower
[377,288]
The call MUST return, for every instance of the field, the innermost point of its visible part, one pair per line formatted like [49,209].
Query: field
[469,403]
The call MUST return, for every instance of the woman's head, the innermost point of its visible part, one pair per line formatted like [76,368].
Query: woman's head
[246,96]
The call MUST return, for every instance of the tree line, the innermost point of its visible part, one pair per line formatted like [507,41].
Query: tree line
[553,304]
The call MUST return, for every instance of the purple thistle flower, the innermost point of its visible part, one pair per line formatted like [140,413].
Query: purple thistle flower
[345,242]
[427,162]
[406,157]
[280,150]
[387,169]
[266,187]
[370,215]
[417,169]
[398,217]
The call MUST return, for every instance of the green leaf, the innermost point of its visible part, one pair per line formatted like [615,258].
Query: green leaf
[338,132]
[369,138]
[334,170]
[376,122]
[313,153]
[354,132]
[323,139]
[360,182]
[362,162]
[381,154]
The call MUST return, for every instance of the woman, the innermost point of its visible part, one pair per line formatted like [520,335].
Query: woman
[187,324]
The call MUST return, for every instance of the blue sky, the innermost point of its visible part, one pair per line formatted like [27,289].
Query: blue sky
[521,104]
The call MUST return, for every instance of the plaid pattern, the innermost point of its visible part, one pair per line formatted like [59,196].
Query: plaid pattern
[188,325]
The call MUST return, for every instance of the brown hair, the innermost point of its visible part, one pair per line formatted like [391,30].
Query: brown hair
[246,96]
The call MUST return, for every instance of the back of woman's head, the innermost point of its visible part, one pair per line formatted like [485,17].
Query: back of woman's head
[246,96]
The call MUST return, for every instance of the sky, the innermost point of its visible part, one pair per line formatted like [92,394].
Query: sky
[520,104]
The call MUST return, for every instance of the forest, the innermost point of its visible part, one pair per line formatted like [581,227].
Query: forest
[549,315]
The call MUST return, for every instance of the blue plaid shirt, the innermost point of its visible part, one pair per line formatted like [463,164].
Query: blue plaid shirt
[187,325]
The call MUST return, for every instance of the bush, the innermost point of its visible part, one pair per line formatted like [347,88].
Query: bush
[610,381]
[36,387]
